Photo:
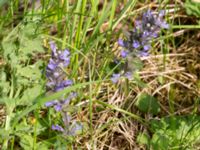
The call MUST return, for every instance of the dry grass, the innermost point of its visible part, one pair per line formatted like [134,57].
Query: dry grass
[176,81]
[173,78]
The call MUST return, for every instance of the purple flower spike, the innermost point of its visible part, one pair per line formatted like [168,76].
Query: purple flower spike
[164,25]
[62,85]
[73,95]
[50,84]
[55,69]
[121,42]
[115,78]
[143,54]
[52,64]
[57,128]
[67,83]
[162,13]
[154,35]
[58,107]
[147,16]
[136,44]
[128,75]
[75,128]
[68,99]
[124,53]
[66,62]
[64,55]
[145,31]
[56,75]
[49,104]
[138,24]
[58,88]
[146,48]
[145,34]
[53,48]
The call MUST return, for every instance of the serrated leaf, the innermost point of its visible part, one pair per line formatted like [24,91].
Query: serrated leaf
[31,72]
[160,141]
[30,41]
[30,46]
[9,50]
[147,103]
[29,30]
[22,127]
[176,132]
[30,94]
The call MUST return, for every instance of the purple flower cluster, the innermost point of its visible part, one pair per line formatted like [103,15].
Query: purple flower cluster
[55,69]
[139,40]
[115,77]
[56,75]
[141,37]
[60,104]
[72,131]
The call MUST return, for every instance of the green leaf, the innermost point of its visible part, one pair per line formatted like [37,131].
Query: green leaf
[29,46]
[147,103]
[138,81]
[143,138]
[31,72]
[22,42]
[26,141]
[176,132]
[4,85]
[9,50]
[29,30]
[22,127]
[10,104]
[42,146]
[192,8]
[29,40]
[30,94]
[160,141]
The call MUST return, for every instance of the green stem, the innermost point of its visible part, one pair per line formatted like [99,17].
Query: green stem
[7,128]
[186,26]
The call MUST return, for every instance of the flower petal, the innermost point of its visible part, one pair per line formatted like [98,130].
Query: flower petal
[57,128]
[124,53]
[115,78]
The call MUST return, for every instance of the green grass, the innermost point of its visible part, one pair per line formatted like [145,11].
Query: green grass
[151,111]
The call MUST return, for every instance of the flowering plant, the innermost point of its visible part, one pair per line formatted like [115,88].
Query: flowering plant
[56,75]
[141,37]
[139,40]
